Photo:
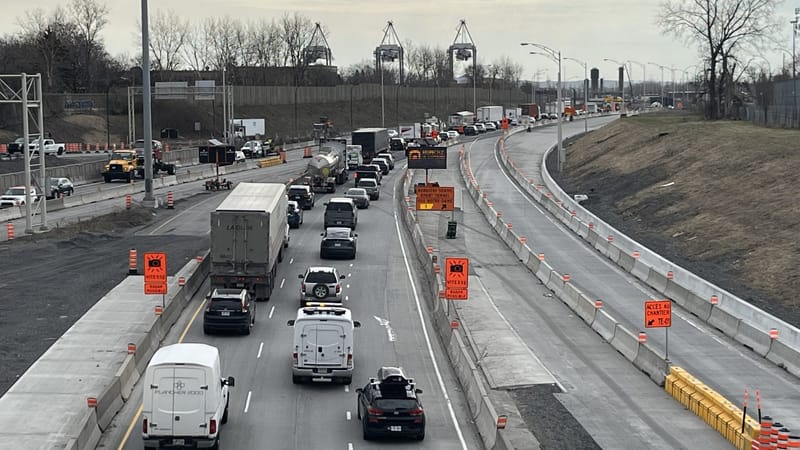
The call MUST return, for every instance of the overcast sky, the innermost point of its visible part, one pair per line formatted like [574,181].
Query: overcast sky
[586,30]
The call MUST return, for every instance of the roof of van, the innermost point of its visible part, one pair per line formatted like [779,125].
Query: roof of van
[194,354]
[368,130]
[327,312]
[340,200]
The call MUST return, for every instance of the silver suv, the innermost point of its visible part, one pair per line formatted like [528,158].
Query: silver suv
[320,284]
[371,186]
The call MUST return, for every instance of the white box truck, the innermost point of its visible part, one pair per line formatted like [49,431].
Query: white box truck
[185,398]
[490,114]
[354,158]
[249,231]
[323,344]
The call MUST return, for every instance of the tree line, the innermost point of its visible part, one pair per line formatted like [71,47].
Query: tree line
[64,45]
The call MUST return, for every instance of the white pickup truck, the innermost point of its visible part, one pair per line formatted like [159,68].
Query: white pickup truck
[51,147]
[15,196]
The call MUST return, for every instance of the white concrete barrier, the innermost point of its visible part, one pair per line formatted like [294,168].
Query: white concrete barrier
[784,356]
[586,309]
[625,342]
[755,339]
[604,325]
[651,363]
[128,376]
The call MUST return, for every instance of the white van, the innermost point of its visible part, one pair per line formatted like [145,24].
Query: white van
[184,398]
[354,157]
[323,344]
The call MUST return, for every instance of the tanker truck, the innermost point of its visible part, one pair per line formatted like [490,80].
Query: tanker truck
[326,170]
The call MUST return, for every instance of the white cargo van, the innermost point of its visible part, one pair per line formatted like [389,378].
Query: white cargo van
[354,158]
[184,398]
[323,344]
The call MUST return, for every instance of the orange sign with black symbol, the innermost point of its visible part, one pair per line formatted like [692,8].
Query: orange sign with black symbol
[456,278]
[435,198]
[155,273]
[658,314]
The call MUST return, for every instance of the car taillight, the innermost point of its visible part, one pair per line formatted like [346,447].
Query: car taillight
[212,427]
[302,287]
[416,412]
[349,360]
[144,425]
[294,358]
[338,288]
[372,411]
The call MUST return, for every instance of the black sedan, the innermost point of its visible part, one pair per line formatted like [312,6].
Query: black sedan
[359,196]
[389,406]
[338,242]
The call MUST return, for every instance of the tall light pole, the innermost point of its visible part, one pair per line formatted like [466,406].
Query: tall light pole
[383,105]
[644,77]
[794,60]
[662,80]
[585,92]
[147,117]
[556,57]
[621,88]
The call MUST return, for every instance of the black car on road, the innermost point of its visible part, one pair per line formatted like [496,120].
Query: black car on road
[389,406]
[338,242]
[303,195]
[229,310]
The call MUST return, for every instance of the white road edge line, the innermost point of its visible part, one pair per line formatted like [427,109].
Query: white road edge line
[424,327]
[271,312]
[155,230]
[260,349]
[247,403]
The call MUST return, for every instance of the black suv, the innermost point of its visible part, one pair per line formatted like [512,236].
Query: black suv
[303,195]
[229,310]
[389,406]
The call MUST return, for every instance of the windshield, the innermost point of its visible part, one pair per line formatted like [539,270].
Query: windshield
[321,277]
[367,183]
[339,206]
[391,404]
[218,304]
[117,155]
[356,192]
[15,191]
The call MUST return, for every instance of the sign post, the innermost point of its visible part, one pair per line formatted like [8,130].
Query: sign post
[456,278]
[658,314]
[155,275]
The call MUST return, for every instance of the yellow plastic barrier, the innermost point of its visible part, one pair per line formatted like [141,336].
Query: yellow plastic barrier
[713,408]
[268,162]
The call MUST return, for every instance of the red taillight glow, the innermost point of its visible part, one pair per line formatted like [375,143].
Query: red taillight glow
[416,412]
[338,288]
[212,427]
[349,360]
[294,357]
[371,412]
[302,287]
[144,425]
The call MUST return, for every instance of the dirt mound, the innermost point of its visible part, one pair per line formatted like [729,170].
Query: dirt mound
[719,198]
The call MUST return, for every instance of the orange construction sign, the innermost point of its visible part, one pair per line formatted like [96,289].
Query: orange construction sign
[155,273]
[658,314]
[456,278]
[435,198]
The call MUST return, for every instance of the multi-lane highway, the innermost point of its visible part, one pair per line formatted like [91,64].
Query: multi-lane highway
[267,410]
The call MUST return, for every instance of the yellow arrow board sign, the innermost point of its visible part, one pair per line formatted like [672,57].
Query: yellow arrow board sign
[435,198]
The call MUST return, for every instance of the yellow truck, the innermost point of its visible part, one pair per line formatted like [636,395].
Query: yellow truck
[129,164]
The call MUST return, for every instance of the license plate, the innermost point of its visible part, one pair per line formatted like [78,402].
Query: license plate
[225,313]
[338,222]
[337,244]
[395,428]
[178,442]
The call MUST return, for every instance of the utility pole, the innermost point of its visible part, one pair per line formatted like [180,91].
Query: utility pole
[149,200]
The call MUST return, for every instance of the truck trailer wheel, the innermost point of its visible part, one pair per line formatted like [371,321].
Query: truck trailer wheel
[170,170]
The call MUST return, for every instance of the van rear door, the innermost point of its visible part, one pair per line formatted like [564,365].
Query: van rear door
[323,345]
[179,401]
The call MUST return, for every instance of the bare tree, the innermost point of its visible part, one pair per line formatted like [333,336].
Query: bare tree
[266,43]
[719,28]
[197,51]
[168,33]
[89,17]
[296,32]
[222,39]
[50,35]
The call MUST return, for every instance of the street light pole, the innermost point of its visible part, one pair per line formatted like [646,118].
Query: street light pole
[585,92]
[555,55]
[147,126]
[662,81]
[383,106]
[644,77]
[622,88]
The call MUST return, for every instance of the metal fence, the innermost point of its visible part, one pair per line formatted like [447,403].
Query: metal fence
[775,105]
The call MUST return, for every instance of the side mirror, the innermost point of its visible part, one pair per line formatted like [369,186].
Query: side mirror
[359,390]
[355,234]
[290,322]
[341,277]
[356,324]
[300,276]
[231,382]
[322,234]
[418,391]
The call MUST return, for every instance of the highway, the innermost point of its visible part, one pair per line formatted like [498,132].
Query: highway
[723,364]
[266,406]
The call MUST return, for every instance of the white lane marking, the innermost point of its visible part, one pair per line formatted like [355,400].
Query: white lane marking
[425,328]
[351,264]
[260,349]
[389,331]
[347,298]
[282,281]
[349,275]
[533,355]
[346,388]
[291,260]
[247,403]
[347,286]
[155,230]
[348,416]
[349,446]
[271,312]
